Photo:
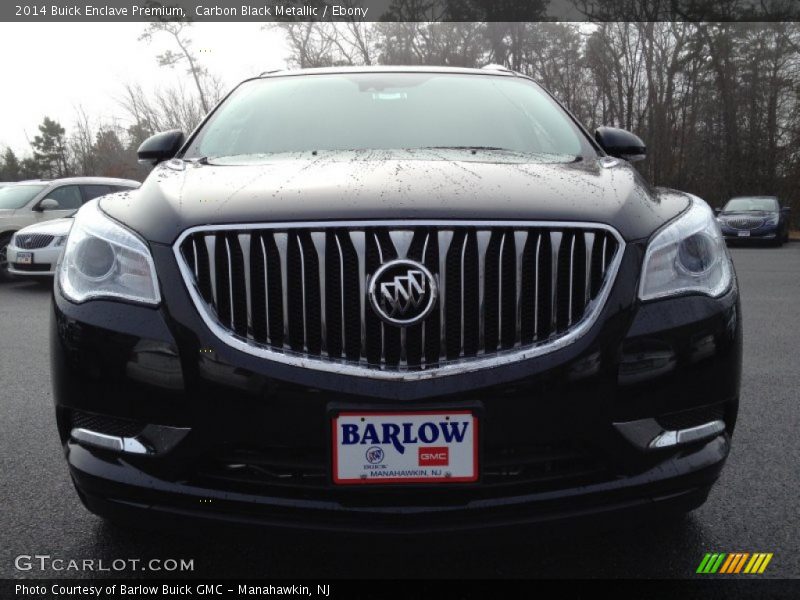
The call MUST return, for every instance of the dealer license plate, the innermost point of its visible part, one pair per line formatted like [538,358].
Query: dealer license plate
[405,447]
[25,258]
[744,234]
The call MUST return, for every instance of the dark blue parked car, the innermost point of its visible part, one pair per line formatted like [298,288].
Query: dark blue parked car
[754,218]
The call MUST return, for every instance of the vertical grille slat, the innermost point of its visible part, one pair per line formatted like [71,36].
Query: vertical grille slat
[281,242]
[508,289]
[312,294]
[319,241]
[222,261]
[372,323]
[237,286]
[334,295]
[445,238]
[471,297]
[483,238]
[587,284]
[556,239]
[294,310]
[452,296]
[303,290]
[520,241]
[358,238]
[259,300]
[246,275]
[211,250]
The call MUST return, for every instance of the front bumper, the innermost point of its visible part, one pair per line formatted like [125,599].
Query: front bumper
[43,264]
[764,233]
[552,447]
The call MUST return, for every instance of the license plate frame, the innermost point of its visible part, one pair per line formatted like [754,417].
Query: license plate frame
[24,258]
[450,462]
[744,234]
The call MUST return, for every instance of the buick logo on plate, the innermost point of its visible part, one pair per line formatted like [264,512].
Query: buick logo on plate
[402,292]
[374,455]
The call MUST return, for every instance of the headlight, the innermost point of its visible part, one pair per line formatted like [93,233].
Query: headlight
[103,259]
[688,255]
[772,220]
[59,241]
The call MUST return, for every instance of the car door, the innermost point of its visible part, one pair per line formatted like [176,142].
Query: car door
[69,200]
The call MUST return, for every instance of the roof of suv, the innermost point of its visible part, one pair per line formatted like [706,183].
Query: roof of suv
[82,180]
[487,70]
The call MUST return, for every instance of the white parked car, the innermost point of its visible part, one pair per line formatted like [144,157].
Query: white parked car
[34,251]
[36,201]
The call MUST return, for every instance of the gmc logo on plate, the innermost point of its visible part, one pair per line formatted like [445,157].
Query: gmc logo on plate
[434,456]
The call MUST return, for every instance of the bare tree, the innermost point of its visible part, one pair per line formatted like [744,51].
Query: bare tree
[208,87]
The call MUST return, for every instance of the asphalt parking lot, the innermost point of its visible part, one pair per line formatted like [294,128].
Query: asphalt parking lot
[754,508]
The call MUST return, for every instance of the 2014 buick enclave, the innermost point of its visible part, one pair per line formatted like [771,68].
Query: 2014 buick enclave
[399,299]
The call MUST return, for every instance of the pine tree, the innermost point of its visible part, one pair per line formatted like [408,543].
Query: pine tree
[10,169]
[50,149]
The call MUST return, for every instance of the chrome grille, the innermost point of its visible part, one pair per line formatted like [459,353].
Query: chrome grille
[744,222]
[297,292]
[31,241]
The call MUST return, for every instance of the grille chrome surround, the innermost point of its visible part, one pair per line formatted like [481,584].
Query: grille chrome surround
[32,241]
[258,314]
[744,222]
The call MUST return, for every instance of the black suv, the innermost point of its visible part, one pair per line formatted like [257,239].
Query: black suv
[395,299]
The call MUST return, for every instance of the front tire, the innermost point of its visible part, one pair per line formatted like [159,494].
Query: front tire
[5,240]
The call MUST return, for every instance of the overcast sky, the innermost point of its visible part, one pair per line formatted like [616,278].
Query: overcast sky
[51,68]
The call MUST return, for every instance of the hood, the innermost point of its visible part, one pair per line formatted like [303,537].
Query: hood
[56,227]
[366,186]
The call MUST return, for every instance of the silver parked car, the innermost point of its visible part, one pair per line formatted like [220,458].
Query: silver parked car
[31,202]
[34,251]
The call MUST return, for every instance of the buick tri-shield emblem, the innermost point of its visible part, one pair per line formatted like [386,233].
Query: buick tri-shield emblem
[402,292]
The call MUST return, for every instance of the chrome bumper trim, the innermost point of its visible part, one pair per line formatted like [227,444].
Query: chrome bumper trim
[152,440]
[647,434]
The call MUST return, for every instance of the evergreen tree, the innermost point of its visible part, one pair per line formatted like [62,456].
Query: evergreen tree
[50,149]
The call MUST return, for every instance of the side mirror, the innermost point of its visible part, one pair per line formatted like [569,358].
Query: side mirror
[786,210]
[160,147]
[49,204]
[620,143]
[717,210]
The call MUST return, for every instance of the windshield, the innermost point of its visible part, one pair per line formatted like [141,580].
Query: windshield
[17,196]
[744,204]
[388,111]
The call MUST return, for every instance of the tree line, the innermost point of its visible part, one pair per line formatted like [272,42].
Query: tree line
[718,104]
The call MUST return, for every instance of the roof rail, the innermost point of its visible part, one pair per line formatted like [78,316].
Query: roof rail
[496,67]
[270,72]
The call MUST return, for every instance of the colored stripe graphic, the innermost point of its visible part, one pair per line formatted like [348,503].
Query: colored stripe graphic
[732,558]
[733,563]
[703,563]
[741,562]
[711,563]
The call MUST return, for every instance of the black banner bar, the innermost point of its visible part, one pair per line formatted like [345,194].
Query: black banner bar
[409,589]
[398,10]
